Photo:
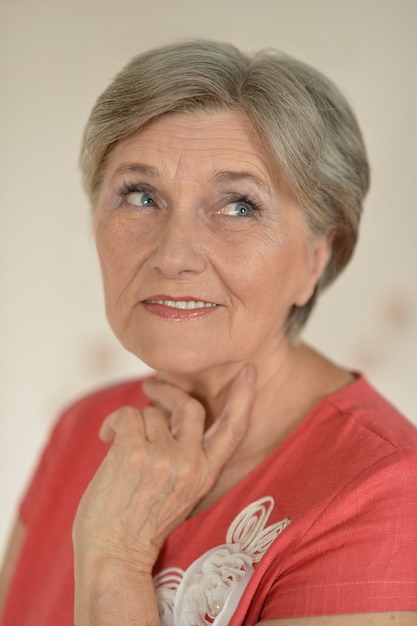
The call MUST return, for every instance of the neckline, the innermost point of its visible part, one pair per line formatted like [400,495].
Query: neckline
[348,389]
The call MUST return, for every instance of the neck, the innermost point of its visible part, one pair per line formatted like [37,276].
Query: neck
[291,380]
[210,386]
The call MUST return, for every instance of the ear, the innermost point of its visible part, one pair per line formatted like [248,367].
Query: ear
[320,252]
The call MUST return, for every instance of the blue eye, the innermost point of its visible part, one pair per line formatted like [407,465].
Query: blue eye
[140,198]
[239,209]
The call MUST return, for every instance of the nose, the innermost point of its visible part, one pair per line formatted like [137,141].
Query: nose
[178,251]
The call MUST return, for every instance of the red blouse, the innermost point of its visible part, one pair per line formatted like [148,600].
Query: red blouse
[327,524]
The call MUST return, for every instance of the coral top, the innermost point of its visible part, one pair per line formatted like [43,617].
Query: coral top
[327,524]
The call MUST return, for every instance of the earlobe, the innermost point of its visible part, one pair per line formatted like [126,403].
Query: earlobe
[320,254]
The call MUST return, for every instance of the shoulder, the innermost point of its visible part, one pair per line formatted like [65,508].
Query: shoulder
[350,477]
[74,450]
[364,464]
[110,397]
[88,411]
[354,453]
[74,438]
[371,441]
[352,433]
[359,424]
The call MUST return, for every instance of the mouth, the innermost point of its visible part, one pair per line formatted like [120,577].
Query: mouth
[185,307]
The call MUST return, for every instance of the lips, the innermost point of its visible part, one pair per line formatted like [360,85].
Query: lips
[185,307]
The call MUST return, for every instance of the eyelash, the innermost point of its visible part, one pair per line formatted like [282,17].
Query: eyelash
[247,200]
[127,188]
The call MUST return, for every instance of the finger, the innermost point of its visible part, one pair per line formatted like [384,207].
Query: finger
[165,394]
[127,420]
[224,436]
[187,422]
[129,423]
[187,413]
[157,429]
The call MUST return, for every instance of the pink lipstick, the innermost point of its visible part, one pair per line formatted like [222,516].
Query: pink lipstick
[178,308]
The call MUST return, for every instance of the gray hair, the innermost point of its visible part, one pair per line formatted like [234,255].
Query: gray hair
[303,119]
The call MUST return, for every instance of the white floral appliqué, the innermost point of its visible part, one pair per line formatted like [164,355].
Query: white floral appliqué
[208,592]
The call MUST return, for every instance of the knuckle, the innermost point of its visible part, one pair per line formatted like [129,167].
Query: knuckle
[163,461]
[126,458]
[191,469]
[124,417]
[151,416]
[186,470]
[191,406]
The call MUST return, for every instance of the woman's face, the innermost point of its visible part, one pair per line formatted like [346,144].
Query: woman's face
[202,249]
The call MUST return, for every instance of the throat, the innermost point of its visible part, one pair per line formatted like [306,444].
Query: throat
[236,470]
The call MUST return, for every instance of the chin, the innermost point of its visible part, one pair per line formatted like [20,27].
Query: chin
[171,362]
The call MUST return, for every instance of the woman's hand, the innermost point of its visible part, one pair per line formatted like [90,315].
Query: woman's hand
[160,465]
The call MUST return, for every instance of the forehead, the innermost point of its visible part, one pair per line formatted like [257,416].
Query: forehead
[180,143]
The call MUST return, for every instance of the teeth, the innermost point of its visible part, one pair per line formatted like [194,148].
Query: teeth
[185,305]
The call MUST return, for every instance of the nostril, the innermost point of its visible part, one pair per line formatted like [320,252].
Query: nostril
[178,253]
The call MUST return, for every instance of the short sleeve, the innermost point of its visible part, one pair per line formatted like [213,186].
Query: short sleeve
[42,477]
[74,451]
[360,555]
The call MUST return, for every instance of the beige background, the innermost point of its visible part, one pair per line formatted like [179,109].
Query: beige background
[55,58]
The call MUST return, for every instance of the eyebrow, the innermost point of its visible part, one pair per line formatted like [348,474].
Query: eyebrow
[135,168]
[220,176]
[231,176]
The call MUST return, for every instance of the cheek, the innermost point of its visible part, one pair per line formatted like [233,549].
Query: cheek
[271,278]
[118,254]
[110,264]
[252,275]
[116,275]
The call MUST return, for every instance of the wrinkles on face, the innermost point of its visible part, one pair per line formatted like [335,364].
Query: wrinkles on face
[184,243]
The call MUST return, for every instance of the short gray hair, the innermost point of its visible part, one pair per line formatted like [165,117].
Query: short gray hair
[305,122]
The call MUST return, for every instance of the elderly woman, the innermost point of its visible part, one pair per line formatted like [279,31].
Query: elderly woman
[251,480]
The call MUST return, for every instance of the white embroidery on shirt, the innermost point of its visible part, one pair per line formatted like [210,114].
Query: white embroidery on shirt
[208,592]
[166,584]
